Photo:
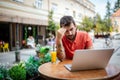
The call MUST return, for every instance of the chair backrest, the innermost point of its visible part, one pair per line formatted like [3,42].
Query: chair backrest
[6,45]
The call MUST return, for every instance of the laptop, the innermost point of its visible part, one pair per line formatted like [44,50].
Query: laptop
[90,59]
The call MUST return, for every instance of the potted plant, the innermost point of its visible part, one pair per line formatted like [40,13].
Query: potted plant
[31,67]
[38,46]
[34,62]
[43,53]
[4,73]
[18,72]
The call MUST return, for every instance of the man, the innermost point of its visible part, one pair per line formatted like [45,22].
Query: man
[70,38]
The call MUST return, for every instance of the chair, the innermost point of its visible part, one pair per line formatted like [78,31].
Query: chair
[6,47]
[1,47]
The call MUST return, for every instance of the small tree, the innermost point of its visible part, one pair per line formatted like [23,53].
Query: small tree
[87,24]
[116,6]
[107,19]
[51,24]
[108,10]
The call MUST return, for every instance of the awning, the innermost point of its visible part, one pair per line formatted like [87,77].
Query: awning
[24,20]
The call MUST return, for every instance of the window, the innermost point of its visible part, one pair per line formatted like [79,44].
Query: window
[115,22]
[79,15]
[74,14]
[66,11]
[18,0]
[54,7]
[38,3]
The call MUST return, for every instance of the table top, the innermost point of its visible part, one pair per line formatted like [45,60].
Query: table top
[58,71]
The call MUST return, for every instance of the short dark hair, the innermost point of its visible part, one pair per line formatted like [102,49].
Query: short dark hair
[66,21]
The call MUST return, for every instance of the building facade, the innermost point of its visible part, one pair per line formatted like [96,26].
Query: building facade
[21,18]
[115,18]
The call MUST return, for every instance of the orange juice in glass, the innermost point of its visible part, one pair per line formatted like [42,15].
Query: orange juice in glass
[53,56]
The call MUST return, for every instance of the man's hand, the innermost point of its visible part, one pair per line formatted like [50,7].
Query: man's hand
[60,56]
[60,33]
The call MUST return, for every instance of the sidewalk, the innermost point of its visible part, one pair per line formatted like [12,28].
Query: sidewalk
[9,57]
[116,56]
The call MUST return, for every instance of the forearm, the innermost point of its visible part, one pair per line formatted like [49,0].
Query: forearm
[59,46]
[60,49]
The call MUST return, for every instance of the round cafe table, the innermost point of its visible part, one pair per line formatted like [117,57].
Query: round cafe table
[50,71]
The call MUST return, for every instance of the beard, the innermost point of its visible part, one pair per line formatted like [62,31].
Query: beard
[71,37]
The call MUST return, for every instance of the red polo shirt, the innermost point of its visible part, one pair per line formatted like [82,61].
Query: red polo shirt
[82,41]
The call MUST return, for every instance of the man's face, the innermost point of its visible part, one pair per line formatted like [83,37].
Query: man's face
[70,31]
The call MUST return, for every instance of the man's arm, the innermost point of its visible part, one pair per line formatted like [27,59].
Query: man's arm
[60,51]
[59,46]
